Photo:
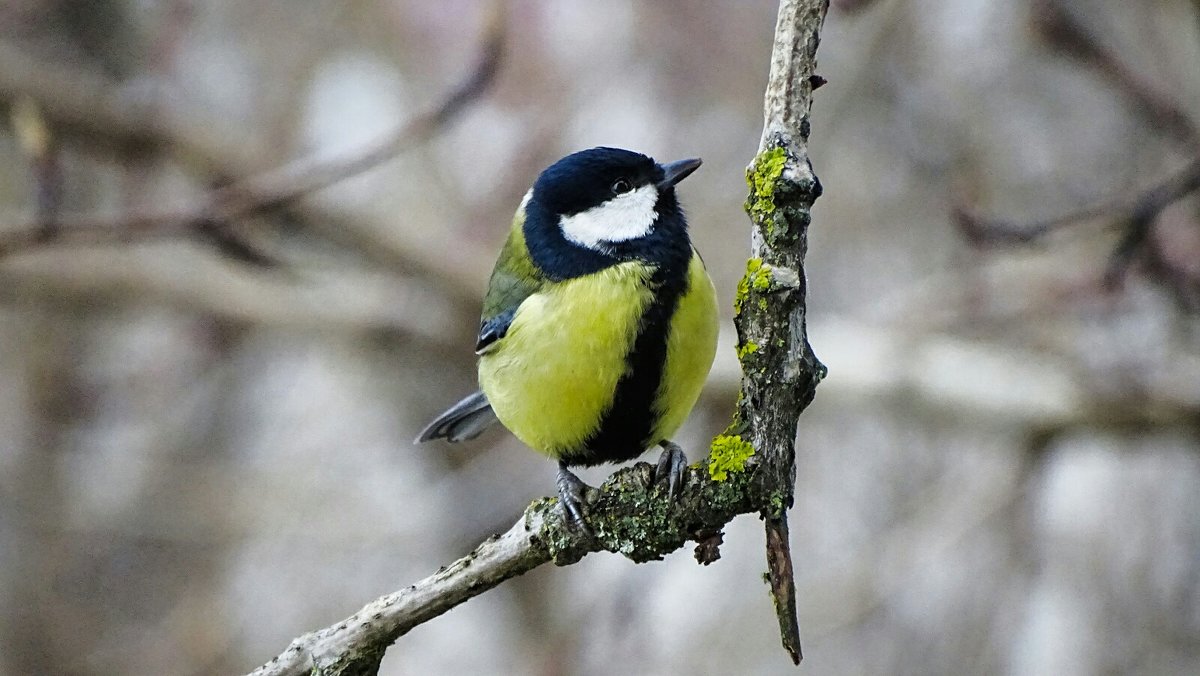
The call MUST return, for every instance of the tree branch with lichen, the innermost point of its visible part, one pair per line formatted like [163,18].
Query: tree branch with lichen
[780,372]
[751,468]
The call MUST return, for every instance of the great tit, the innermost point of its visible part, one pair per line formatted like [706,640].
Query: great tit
[600,321]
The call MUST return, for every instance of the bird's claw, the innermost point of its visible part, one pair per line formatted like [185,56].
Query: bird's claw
[572,495]
[671,465]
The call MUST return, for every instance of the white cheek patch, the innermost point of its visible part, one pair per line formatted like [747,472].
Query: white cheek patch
[620,219]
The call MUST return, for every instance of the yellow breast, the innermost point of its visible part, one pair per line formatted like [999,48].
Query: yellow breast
[554,374]
[552,378]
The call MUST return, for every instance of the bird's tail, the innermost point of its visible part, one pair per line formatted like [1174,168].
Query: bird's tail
[465,420]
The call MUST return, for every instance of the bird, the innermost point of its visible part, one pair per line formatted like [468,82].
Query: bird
[599,325]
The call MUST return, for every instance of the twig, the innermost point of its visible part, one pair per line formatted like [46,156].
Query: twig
[984,232]
[1145,207]
[1145,213]
[343,298]
[276,188]
[1058,25]
[1065,31]
[1174,263]
[1136,218]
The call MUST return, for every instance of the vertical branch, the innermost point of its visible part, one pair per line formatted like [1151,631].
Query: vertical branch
[779,370]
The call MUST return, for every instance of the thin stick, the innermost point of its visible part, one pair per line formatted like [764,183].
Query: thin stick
[271,189]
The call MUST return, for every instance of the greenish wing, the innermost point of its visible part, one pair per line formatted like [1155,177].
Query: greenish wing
[514,279]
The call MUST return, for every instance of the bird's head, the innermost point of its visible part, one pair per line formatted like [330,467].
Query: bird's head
[607,202]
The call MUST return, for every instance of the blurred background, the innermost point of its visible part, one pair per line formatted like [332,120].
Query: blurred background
[205,434]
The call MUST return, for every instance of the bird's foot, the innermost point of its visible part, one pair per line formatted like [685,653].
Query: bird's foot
[671,465]
[572,494]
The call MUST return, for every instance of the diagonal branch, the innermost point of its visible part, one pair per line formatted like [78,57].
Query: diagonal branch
[272,189]
[1142,210]
[630,515]
[1136,220]
[1059,25]
[1143,215]
[1137,217]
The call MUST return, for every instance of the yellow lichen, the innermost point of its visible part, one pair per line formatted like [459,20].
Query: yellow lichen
[746,349]
[758,278]
[762,176]
[729,454]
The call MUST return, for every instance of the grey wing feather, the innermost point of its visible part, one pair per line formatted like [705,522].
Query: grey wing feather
[465,420]
[492,330]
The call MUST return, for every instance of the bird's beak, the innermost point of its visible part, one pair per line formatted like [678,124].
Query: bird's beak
[677,171]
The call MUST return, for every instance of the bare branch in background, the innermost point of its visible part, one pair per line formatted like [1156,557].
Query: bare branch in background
[1066,32]
[1062,29]
[752,467]
[1136,221]
[272,189]
[992,232]
[1138,214]
[1144,214]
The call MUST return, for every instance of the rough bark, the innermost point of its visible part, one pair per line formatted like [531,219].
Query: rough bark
[629,514]
[779,370]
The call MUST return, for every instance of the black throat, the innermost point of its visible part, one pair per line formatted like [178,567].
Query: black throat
[624,430]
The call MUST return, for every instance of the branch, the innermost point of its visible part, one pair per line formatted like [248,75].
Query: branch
[1141,210]
[1059,26]
[629,514]
[1143,215]
[1136,219]
[780,371]
[1064,30]
[271,189]
[751,468]
[344,298]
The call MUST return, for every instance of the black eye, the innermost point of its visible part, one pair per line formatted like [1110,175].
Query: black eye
[620,186]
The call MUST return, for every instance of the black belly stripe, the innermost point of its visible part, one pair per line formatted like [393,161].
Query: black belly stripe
[624,429]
